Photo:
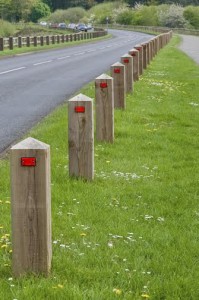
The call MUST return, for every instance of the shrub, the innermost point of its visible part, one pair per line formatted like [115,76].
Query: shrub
[171,16]
[191,14]
[72,15]
[38,11]
[6,29]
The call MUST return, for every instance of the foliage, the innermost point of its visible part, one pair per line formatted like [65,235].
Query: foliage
[38,11]
[191,14]
[171,16]
[125,17]
[6,28]
[72,15]
[145,15]
[100,12]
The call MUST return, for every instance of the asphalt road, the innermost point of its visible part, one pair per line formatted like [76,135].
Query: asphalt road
[32,85]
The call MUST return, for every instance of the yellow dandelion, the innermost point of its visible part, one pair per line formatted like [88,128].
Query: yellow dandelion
[1,201]
[7,202]
[60,286]
[1,227]
[83,234]
[107,161]
[10,251]
[4,246]
[117,291]
[145,296]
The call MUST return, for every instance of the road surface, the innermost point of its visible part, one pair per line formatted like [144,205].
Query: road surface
[32,85]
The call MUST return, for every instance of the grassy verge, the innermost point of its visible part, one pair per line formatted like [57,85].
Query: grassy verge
[132,233]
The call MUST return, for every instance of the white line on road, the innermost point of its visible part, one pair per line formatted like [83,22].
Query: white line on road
[42,62]
[80,53]
[63,57]
[13,70]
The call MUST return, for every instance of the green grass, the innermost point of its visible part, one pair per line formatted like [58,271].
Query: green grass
[133,231]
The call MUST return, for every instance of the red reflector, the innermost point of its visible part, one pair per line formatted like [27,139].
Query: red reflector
[116,70]
[103,85]
[28,161]
[126,60]
[139,48]
[133,54]
[79,109]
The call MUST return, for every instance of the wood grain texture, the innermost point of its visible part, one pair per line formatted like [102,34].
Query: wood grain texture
[135,54]
[119,84]
[127,61]
[139,48]
[104,108]
[31,208]
[81,138]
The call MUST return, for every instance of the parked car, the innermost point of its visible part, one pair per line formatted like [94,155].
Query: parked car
[54,25]
[81,27]
[89,26]
[62,26]
[43,23]
[72,25]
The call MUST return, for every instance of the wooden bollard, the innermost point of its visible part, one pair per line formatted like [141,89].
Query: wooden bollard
[139,48]
[127,61]
[81,137]
[62,38]
[104,108]
[135,54]
[144,49]
[31,207]
[119,84]
[53,39]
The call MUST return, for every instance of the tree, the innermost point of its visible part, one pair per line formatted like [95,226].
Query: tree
[38,11]
[20,9]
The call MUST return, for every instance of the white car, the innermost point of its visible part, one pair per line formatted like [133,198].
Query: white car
[43,23]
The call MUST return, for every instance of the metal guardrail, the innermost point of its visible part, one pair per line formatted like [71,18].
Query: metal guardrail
[28,41]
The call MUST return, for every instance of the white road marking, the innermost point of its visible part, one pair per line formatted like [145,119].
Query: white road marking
[42,62]
[12,70]
[80,53]
[63,57]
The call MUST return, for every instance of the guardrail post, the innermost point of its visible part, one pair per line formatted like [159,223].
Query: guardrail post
[81,137]
[41,40]
[104,108]
[31,207]
[53,39]
[11,44]
[28,41]
[127,61]
[66,37]
[19,41]
[35,41]
[58,39]
[135,54]
[1,44]
[47,40]
[62,38]
[119,84]
[139,48]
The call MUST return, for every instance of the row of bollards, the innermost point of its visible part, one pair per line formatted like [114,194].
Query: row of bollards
[30,159]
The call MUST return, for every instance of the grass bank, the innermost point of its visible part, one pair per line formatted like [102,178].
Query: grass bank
[132,233]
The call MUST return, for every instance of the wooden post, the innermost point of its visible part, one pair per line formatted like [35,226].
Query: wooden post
[28,41]
[11,44]
[41,40]
[19,41]
[135,54]
[127,61]
[139,48]
[81,137]
[119,84]
[1,44]
[144,49]
[35,41]
[47,40]
[31,207]
[104,108]
[58,39]
[53,39]
[62,38]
